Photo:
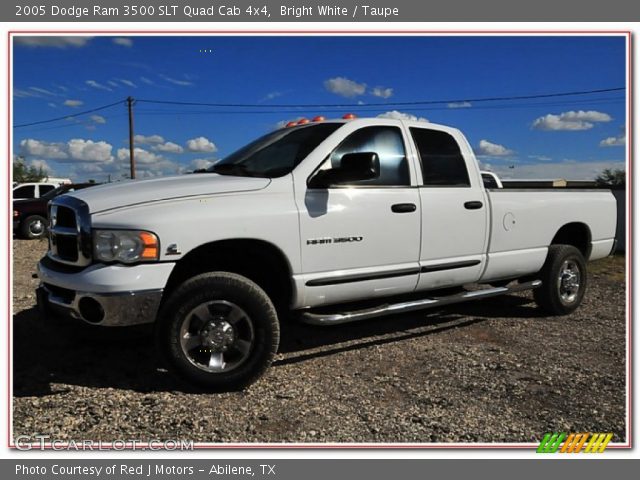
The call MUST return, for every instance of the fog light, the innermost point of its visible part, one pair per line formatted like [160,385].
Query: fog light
[91,310]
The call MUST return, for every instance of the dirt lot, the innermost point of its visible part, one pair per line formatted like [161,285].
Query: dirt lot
[492,371]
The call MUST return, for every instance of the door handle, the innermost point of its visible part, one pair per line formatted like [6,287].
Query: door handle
[475,205]
[403,208]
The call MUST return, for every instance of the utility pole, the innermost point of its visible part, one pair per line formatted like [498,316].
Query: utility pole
[131,156]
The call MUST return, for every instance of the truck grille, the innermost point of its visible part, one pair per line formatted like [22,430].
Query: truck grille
[69,231]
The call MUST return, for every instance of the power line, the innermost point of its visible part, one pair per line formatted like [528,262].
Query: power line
[73,115]
[383,104]
[599,101]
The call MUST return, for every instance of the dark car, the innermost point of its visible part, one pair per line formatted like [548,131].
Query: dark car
[30,215]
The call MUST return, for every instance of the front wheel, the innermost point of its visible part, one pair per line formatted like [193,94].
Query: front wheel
[218,330]
[564,280]
[34,226]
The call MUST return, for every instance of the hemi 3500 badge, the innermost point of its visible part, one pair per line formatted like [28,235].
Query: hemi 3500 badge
[327,240]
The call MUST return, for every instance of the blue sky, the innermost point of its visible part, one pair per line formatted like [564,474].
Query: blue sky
[572,137]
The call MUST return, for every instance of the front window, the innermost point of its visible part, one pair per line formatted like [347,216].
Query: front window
[275,154]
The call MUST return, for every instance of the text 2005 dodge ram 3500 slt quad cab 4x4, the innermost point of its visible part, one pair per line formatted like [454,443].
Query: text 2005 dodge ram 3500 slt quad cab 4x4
[336,221]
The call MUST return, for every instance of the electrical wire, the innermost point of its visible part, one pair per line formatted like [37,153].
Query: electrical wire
[73,115]
[382,104]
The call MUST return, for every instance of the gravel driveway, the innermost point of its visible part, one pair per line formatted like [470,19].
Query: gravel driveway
[490,371]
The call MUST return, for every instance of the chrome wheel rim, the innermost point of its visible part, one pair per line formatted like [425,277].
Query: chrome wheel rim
[217,336]
[36,228]
[569,281]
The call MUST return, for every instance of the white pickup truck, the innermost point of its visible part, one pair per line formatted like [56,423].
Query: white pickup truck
[333,220]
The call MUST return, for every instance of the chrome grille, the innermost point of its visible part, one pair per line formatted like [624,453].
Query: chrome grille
[69,231]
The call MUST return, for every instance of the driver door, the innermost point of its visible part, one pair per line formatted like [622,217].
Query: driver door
[362,239]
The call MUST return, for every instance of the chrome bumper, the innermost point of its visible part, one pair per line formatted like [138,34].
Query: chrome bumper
[104,309]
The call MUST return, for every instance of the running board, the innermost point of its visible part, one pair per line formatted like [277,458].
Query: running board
[410,306]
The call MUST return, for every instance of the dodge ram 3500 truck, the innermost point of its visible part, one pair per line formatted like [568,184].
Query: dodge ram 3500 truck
[334,220]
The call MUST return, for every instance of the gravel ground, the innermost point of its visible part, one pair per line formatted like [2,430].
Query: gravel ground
[491,371]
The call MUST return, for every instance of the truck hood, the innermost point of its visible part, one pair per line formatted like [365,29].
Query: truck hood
[124,194]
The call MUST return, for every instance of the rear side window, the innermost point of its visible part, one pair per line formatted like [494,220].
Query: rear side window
[388,143]
[442,162]
[45,189]
[28,191]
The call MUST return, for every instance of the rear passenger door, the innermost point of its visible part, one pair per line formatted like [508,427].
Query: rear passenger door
[454,210]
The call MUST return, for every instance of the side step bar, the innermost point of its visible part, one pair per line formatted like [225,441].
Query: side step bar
[410,306]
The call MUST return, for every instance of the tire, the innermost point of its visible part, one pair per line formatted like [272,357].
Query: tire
[33,227]
[219,331]
[564,280]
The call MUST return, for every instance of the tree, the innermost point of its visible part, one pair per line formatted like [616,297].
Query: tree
[23,173]
[612,178]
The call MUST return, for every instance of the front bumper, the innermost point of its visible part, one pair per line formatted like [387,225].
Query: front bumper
[105,295]
[108,310]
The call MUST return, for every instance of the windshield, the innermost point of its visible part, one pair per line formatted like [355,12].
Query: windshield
[55,192]
[275,154]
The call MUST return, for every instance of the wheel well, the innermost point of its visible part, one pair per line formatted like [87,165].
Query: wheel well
[259,261]
[576,234]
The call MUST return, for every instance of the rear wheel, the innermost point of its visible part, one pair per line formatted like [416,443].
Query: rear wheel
[34,226]
[218,330]
[564,280]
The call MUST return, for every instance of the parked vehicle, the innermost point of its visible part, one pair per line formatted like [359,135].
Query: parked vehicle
[490,180]
[333,221]
[32,190]
[30,215]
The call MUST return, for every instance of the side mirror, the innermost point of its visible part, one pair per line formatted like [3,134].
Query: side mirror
[353,167]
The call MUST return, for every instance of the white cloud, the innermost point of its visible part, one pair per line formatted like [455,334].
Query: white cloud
[395,114]
[201,144]
[567,169]
[19,93]
[113,84]
[43,91]
[382,92]
[73,103]
[97,85]
[175,81]
[52,105]
[146,80]
[128,83]
[540,158]
[571,121]
[200,163]
[40,164]
[487,148]
[89,151]
[271,96]
[619,141]
[459,105]
[345,87]
[148,139]
[283,123]
[122,41]
[51,41]
[38,148]
[98,119]
[168,147]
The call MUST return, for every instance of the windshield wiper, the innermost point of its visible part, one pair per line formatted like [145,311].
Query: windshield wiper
[231,169]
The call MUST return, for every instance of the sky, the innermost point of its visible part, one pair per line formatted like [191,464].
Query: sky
[572,137]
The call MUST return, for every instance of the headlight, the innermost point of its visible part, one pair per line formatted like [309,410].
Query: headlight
[126,246]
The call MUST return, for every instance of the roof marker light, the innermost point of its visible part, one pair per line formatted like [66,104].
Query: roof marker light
[319,118]
[303,121]
[349,116]
[291,124]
